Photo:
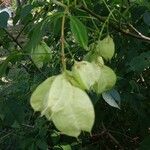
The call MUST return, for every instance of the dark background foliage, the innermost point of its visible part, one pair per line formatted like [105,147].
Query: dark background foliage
[129,25]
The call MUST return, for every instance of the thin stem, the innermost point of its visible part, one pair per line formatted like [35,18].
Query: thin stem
[109,10]
[94,23]
[59,3]
[63,43]
[139,33]
[13,39]
[5,136]
[107,20]
[84,3]
[70,53]
[114,25]
[28,126]
[112,137]
[21,49]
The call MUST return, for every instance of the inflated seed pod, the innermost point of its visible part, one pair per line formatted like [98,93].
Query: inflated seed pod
[106,81]
[106,48]
[86,74]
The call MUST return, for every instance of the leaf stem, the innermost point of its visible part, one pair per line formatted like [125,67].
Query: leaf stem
[111,14]
[63,42]
[59,3]
[106,21]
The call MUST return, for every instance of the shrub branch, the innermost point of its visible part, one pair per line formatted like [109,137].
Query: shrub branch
[126,29]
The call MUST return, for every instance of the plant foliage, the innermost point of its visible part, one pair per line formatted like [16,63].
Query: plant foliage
[75,75]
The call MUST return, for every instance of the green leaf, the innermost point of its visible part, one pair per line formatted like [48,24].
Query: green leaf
[3,67]
[146,18]
[79,31]
[55,137]
[41,54]
[25,11]
[35,37]
[38,97]
[13,57]
[139,63]
[145,145]
[42,144]
[54,21]
[112,97]
[32,147]
[66,147]
[39,29]
[57,148]
[12,111]
[71,108]
[4,16]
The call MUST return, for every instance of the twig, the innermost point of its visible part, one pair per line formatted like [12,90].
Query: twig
[120,134]
[5,136]
[143,80]
[110,12]
[111,136]
[139,33]
[59,3]
[15,41]
[117,27]
[21,31]
[29,126]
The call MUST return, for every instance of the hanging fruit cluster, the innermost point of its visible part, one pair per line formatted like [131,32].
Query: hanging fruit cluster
[63,98]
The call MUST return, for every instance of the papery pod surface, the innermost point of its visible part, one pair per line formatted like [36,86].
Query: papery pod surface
[106,48]
[72,110]
[39,96]
[86,74]
[106,81]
